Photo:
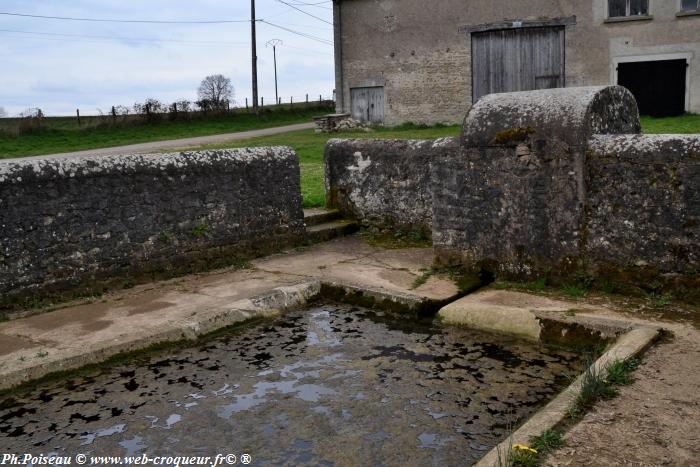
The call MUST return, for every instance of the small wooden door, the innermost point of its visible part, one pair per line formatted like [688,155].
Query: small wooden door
[368,104]
[521,59]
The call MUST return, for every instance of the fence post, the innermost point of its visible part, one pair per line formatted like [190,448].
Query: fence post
[246,104]
[279,101]
[307,98]
[114,114]
[291,102]
[262,102]
[77,112]
[175,109]
[320,99]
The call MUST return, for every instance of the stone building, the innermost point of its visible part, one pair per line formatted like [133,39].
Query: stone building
[426,61]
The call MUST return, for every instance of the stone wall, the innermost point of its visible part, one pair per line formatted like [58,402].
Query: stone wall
[553,183]
[558,183]
[383,182]
[644,202]
[70,223]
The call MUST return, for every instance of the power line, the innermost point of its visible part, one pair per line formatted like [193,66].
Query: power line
[99,20]
[302,34]
[302,11]
[122,38]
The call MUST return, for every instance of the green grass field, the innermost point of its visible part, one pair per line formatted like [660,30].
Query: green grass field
[62,134]
[688,123]
[308,145]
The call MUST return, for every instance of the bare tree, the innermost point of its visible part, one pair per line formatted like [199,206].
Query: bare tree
[215,92]
[3,112]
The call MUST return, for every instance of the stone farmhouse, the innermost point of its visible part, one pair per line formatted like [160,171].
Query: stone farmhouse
[427,61]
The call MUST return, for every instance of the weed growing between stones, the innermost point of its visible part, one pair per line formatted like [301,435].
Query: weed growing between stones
[199,230]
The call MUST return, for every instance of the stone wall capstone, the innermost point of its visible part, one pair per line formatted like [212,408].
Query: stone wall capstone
[70,223]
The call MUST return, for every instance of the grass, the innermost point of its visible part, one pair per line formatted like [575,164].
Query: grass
[63,135]
[602,383]
[688,123]
[547,441]
[310,146]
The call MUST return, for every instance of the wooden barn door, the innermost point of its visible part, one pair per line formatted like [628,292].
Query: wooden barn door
[520,59]
[367,104]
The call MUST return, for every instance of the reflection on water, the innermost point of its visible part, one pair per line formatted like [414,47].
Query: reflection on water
[335,385]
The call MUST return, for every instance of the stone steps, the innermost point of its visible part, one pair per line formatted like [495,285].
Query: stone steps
[329,230]
[316,216]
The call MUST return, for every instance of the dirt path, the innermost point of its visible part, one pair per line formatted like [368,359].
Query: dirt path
[653,422]
[179,143]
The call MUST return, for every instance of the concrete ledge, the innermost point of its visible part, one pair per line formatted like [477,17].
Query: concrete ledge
[265,305]
[629,345]
[529,316]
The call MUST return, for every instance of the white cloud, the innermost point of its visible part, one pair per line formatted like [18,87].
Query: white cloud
[117,65]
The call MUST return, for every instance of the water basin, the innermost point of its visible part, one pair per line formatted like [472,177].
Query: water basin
[332,385]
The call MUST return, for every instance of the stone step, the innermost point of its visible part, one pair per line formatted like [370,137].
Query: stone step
[316,216]
[329,230]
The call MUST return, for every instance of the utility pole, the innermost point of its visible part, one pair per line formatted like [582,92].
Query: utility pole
[274,43]
[254,58]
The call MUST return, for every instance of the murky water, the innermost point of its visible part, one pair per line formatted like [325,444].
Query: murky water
[334,385]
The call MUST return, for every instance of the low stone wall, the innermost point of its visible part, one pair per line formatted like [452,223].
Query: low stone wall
[384,183]
[71,223]
[554,183]
[643,203]
[558,183]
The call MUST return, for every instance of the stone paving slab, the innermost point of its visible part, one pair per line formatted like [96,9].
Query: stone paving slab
[78,334]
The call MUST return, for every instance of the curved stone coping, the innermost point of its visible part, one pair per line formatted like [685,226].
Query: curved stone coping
[567,114]
[52,168]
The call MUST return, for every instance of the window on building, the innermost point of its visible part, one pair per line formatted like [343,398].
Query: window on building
[622,8]
[690,5]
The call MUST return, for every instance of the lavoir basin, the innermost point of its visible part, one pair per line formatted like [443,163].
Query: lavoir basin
[332,385]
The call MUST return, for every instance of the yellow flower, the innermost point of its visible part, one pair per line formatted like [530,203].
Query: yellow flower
[522,447]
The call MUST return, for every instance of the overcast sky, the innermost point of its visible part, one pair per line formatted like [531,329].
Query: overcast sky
[60,65]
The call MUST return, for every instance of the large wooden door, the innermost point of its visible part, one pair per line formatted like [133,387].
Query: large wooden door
[521,59]
[368,104]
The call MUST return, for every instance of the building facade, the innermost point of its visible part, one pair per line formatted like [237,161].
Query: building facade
[426,61]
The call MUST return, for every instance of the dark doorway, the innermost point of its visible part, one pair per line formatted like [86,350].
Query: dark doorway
[658,86]
[521,59]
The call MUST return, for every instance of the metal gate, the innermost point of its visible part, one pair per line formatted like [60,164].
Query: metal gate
[367,104]
[521,59]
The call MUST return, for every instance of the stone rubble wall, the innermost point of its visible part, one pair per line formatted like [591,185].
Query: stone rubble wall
[554,183]
[70,223]
[383,183]
[643,202]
